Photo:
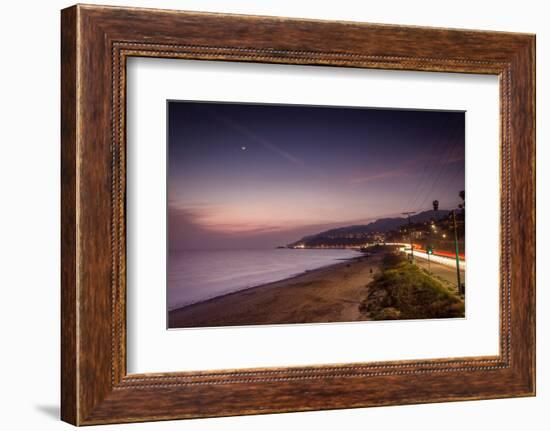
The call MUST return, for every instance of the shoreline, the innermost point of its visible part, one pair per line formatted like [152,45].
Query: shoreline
[269,283]
[331,293]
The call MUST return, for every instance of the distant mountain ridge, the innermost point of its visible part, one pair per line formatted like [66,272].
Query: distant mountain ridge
[381,225]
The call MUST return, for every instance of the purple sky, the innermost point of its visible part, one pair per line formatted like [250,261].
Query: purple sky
[257,176]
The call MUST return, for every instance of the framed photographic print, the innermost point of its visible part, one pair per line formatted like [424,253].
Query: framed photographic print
[268,215]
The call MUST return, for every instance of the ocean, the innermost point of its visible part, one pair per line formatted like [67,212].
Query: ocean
[194,276]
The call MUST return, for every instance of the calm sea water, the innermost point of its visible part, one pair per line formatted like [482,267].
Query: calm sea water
[194,276]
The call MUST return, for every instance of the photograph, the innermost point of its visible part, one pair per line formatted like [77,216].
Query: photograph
[287,214]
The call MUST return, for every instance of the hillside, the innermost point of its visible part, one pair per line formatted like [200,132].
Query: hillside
[382,225]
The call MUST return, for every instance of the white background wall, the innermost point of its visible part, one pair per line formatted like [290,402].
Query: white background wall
[29,215]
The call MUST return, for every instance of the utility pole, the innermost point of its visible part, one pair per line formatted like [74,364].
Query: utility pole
[408,214]
[459,285]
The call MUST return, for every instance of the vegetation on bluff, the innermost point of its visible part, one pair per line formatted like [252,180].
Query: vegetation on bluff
[404,291]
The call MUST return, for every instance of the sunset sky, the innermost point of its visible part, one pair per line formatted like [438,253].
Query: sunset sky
[255,176]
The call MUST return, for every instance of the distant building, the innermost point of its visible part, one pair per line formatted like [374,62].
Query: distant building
[416,234]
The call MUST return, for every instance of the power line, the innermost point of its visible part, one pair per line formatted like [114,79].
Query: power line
[427,188]
[437,178]
[425,174]
[422,191]
[425,178]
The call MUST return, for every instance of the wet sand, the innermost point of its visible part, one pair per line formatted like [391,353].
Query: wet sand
[329,294]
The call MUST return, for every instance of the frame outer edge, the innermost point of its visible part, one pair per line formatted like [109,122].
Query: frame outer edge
[533,54]
[69,197]
[532,82]
[523,216]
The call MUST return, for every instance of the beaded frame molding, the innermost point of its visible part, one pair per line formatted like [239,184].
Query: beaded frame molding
[95,43]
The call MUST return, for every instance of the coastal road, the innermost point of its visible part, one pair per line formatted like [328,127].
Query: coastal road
[444,272]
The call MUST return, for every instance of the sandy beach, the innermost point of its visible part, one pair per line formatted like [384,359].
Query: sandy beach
[329,294]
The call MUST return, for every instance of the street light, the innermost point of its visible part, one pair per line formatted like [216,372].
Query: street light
[408,214]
